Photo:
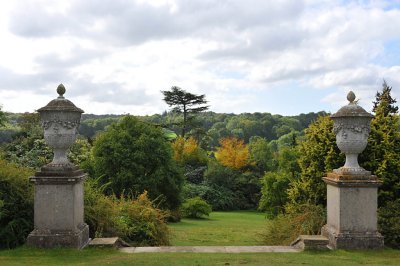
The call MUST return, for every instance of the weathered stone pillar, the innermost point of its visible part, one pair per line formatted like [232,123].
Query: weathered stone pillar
[58,206]
[351,190]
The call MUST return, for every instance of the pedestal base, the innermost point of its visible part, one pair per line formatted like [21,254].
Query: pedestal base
[352,211]
[353,240]
[65,238]
[58,209]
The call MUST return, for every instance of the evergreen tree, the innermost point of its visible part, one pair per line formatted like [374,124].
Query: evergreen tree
[385,97]
[319,155]
[382,155]
[185,103]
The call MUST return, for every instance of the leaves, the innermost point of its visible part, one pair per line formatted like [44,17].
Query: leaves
[233,153]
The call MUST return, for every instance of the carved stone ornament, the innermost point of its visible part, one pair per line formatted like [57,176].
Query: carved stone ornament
[60,119]
[352,128]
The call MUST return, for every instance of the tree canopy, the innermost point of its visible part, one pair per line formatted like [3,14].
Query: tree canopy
[185,103]
[132,157]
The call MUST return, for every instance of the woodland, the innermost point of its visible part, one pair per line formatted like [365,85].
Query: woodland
[147,171]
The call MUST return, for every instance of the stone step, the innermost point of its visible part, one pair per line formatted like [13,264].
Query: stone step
[114,242]
[210,249]
[311,242]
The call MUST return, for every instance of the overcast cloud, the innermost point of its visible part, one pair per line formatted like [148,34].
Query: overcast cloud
[115,56]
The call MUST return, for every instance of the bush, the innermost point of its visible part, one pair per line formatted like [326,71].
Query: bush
[135,220]
[133,156]
[16,208]
[196,208]
[389,223]
[305,219]
[220,198]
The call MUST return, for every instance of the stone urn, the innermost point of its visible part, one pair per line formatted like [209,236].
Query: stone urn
[60,119]
[352,127]
[59,198]
[352,191]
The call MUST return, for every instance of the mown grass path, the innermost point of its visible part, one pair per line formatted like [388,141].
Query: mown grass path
[237,228]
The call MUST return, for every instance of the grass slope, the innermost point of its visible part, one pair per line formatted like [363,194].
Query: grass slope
[238,228]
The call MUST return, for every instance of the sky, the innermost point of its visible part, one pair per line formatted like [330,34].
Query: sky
[279,56]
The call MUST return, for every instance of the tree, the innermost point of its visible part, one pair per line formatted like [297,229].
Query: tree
[382,155]
[319,155]
[3,118]
[384,100]
[133,156]
[185,103]
[233,153]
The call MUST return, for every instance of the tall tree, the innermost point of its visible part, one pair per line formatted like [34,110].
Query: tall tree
[382,155]
[185,103]
[385,101]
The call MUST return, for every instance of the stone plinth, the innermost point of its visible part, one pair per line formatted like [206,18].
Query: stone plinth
[352,210]
[58,209]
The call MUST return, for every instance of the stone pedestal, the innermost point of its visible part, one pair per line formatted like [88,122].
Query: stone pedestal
[58,209]
[352,211]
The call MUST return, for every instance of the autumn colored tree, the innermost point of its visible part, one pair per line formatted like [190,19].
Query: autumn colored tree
[233,153]
[188,151]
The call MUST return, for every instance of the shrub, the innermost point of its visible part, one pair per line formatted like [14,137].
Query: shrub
[196,208]
[16,208]
[389,223]
[219,197]
[305,219]
[133,156]
[135,220]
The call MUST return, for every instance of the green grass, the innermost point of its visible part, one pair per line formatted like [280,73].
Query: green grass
[223,228]
[238,228]
[96,256]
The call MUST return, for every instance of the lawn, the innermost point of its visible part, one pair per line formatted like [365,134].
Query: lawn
[96,256]
[223,228]
[239,228]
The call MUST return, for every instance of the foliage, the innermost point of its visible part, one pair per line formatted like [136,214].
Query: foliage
[233,153]
[389,223]
[318,156]
[274,193]
[382,155]
[16,208]
[134,156]
[188,152]
[3,118]
[384,100]
[219,197]
[185,103]
[135,220]
[305,219]
[196,208]
[261,154]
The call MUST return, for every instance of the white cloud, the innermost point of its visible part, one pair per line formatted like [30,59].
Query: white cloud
[116,55]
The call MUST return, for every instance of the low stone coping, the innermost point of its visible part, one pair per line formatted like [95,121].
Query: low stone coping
[115,242]
[210,249]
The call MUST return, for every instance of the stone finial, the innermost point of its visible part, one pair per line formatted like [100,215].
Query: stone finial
[61,91]
[351,97]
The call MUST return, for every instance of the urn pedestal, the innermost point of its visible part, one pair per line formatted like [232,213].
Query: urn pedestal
[352,211]
[352,192]
[58,202]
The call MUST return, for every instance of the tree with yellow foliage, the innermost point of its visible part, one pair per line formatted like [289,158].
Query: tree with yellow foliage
[233,153]
[187,151]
